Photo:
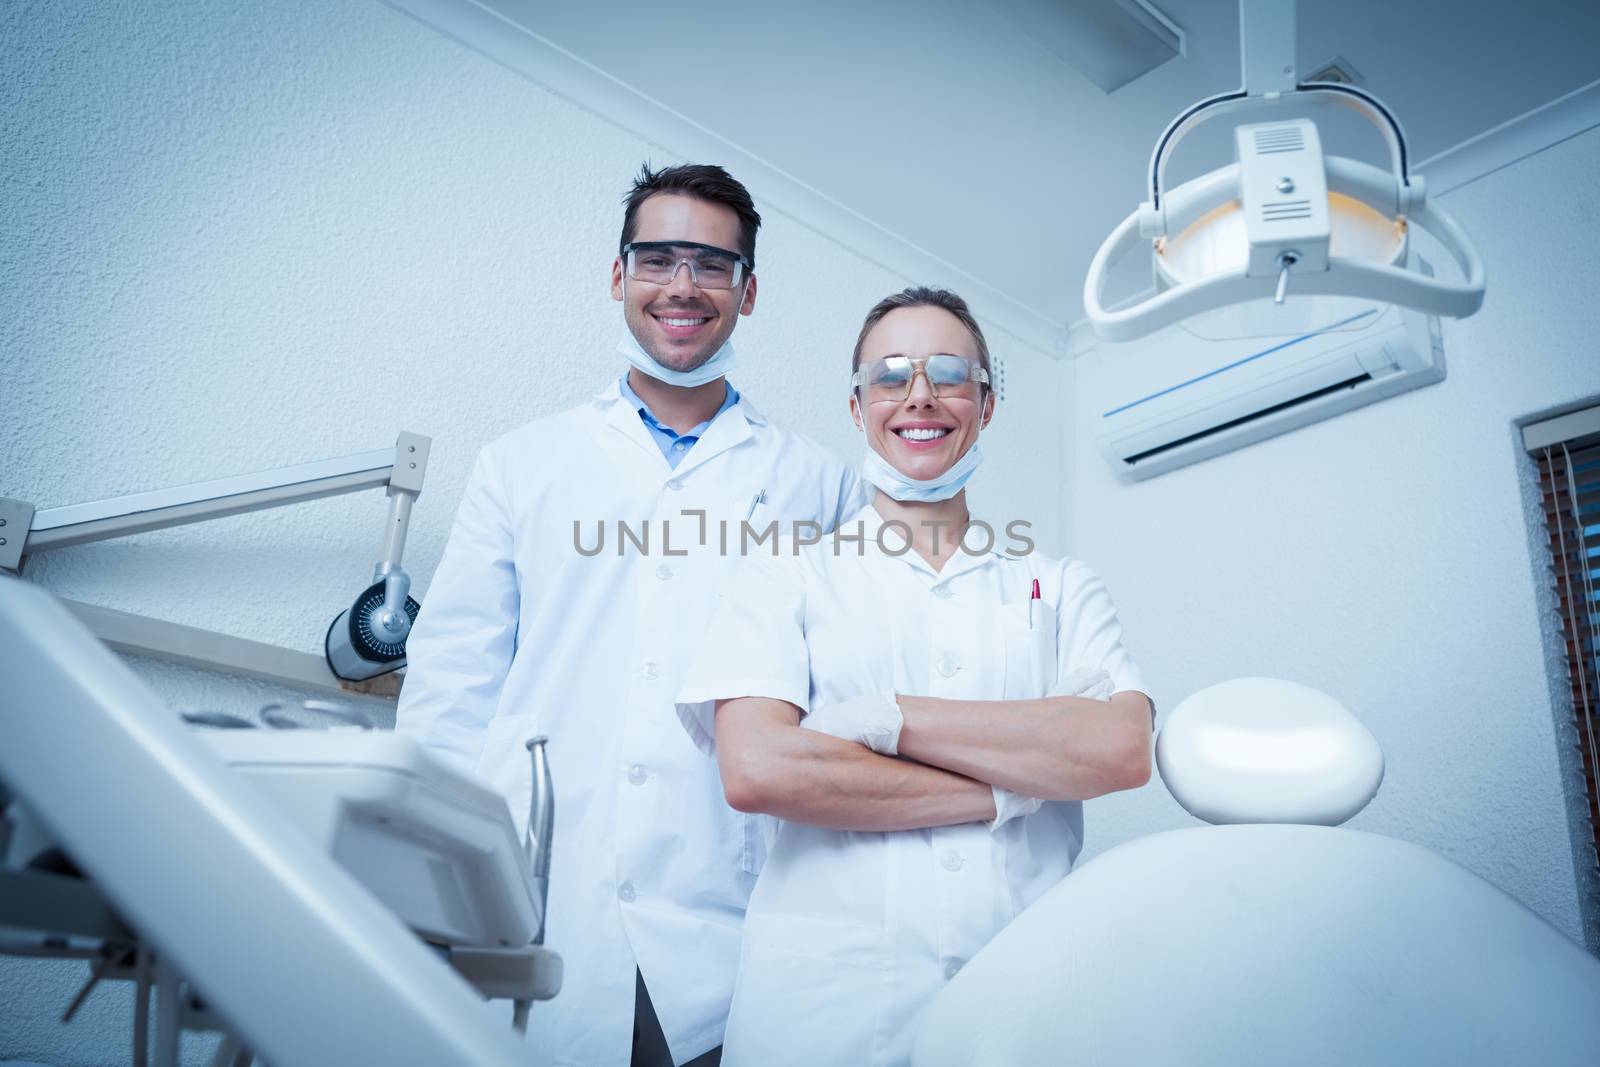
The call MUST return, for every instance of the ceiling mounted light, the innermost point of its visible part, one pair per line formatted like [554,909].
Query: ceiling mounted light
[1284,218]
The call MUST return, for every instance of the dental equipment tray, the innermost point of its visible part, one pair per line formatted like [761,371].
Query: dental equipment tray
[438,849]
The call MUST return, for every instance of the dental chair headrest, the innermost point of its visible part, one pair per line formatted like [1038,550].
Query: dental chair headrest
[1263,750]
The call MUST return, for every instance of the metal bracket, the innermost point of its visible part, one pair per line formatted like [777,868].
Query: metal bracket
[16,518]
[410,462]
[1267,46]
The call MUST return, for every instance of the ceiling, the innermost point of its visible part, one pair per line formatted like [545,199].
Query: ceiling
[951,125]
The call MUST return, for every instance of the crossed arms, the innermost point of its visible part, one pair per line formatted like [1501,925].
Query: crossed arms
[1054,748]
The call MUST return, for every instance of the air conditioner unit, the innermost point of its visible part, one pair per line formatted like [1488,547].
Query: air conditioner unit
[1175,398]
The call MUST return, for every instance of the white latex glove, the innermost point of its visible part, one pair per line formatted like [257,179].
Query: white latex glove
[873,719]
[1083,682]
[1009,805]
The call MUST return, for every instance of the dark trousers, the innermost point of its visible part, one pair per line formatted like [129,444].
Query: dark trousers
[649,1043]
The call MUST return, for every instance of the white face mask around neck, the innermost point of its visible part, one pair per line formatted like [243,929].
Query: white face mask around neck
[879,472]
[709,371]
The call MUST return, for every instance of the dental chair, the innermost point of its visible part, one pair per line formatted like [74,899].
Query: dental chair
[1272,936]
[316,897]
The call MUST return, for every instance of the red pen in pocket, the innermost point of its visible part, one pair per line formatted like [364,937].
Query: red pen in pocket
[1031,600]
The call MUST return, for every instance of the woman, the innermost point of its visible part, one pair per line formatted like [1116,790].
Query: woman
[886,874]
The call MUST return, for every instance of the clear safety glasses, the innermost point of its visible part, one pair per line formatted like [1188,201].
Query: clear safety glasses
[890,378]
[710,267]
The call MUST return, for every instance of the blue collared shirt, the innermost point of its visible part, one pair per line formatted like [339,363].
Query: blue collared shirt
[674,445]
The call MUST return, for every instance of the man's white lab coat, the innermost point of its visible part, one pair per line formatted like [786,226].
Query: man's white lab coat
[526,630]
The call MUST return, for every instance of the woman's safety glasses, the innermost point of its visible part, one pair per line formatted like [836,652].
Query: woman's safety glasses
[710,267]
[890,378]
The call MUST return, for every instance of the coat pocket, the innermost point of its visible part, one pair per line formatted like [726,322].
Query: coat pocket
[810,991]
[1030,648]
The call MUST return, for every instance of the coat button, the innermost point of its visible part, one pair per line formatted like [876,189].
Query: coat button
[675,485]
[952,968]
[942,592]
[650,671]
[948,665]
[950,860]
[637,775]
[663,572]
[626,893]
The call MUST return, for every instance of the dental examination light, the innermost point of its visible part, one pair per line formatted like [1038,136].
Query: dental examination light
[369,638]
[366,640]
[1283,219]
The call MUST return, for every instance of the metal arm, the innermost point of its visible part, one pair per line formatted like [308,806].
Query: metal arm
[25,531]
[158,509]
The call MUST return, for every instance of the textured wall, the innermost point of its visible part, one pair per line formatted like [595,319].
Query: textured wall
[244,235]
[1384,555]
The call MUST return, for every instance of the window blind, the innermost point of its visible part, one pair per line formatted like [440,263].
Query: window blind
[1567,453]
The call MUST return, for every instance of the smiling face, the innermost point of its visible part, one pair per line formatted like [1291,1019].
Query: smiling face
[680,325]
[922,435]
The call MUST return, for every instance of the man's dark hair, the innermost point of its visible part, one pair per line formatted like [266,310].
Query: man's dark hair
[919,296]
[705,181]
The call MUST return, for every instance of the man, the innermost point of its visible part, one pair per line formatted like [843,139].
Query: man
[582,567]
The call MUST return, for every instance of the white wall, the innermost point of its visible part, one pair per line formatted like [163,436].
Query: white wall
[1384,555]
[239,236]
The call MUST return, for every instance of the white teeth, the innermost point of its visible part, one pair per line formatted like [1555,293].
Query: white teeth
[918,434]
[684,322]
